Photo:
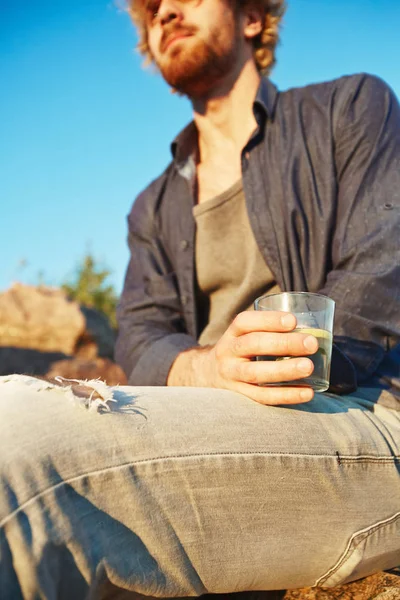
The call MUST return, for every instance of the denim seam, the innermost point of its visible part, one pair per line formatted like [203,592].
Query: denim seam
[349,551]
[335,457]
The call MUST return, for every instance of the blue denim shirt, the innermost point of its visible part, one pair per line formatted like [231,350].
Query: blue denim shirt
[321,177]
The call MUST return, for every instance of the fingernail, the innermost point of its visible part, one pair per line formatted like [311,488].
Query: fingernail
[304,365]
[288,321]
[310,344]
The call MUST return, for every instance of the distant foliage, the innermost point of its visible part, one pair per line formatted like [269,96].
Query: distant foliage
[89,287]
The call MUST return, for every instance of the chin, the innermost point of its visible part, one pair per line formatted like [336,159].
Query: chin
[190,73]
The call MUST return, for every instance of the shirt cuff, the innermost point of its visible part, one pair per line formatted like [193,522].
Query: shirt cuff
[154,366]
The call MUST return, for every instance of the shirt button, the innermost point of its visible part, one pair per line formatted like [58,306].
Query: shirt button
[184,300]
[245,161]
[184,245]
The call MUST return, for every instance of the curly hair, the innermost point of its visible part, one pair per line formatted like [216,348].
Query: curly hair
[264,44]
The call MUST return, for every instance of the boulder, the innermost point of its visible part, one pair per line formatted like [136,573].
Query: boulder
[78,368]
[98,333]
[39,318]
[44,333]
[26,361]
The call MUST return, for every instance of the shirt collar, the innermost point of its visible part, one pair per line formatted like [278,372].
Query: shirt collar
[185,143]
[266,98]
[184,146]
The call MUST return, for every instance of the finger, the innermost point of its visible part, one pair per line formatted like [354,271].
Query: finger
[259,320]
[276,395]
[274,344]
[265,372]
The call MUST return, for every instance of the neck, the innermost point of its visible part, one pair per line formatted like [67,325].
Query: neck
[226,116]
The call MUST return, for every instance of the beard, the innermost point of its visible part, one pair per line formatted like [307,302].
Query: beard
[194,70]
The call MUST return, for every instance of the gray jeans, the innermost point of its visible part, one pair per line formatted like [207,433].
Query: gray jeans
[182,491]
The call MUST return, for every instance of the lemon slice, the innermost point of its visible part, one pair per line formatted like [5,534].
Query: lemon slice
[318,333]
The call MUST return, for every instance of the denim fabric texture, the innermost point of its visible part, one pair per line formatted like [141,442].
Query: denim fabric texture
[182,491]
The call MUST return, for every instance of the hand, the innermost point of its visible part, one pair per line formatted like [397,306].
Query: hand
[264,333]
[229,363]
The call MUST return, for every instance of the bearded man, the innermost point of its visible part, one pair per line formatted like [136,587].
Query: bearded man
[199,479]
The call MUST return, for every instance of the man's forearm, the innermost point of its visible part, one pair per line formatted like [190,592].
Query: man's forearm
[191,368]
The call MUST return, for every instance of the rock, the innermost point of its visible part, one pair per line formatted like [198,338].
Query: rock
[374,587]
[381,586]
[79,368]
[98,332]
[44,333]
[39,318]
[27,361]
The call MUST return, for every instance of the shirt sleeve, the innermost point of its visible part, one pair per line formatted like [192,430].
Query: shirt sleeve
[150,318]
[365,281]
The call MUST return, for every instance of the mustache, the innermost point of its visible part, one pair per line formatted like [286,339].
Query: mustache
[171,31]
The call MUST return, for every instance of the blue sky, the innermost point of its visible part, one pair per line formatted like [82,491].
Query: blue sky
[83,128]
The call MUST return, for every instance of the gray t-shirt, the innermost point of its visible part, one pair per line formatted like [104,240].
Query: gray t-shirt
[231,271]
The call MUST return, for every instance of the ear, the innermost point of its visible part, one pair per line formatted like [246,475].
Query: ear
[253,21]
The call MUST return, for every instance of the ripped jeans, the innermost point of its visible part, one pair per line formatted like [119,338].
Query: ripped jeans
[176,492]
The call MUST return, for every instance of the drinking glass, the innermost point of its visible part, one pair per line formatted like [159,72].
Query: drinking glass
[314,314]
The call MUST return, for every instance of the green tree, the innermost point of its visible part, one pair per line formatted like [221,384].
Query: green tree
[89,287]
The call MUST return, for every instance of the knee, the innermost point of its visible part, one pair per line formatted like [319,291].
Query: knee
[30,423]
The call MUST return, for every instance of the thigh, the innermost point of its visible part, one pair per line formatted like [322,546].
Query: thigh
[180,491]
